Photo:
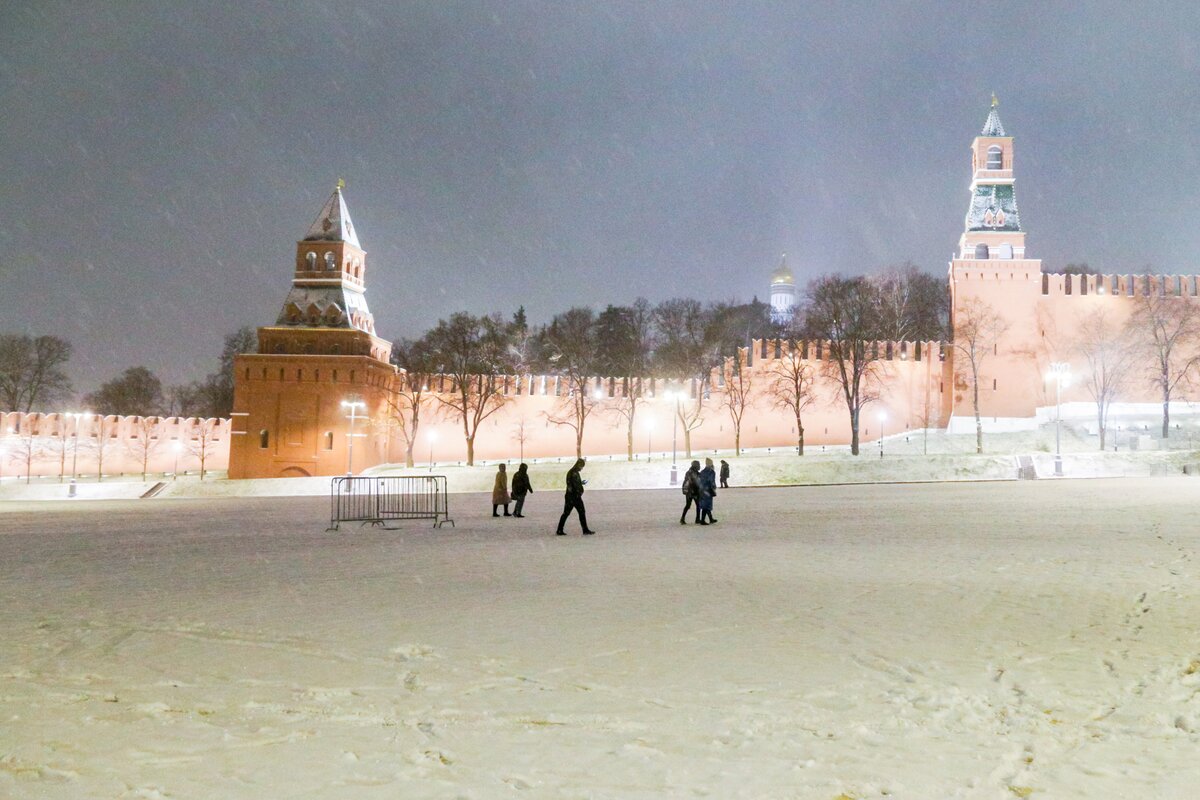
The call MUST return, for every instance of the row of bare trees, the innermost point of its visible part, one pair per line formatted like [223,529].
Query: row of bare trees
[680,340]
[97,442]
[33,378]
[1157,345]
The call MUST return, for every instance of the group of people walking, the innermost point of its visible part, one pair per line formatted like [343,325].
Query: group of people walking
[521,488]
[699,488]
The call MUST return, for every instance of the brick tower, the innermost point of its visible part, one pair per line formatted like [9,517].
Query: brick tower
[289,412]
[992,271]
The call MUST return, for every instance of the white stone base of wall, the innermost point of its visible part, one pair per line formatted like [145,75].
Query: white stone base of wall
[1077,413]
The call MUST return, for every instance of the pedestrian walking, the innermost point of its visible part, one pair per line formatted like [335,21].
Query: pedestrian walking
[724,474]
[691,491]
[521,487]
[573,500]
[708,490]
[500,493]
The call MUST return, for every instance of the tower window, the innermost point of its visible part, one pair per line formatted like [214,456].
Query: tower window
[264,438]
[981,251]
[328,440]
[330,263]
[310,258]
[995,159]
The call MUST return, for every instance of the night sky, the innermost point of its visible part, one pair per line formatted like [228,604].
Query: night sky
[160,160]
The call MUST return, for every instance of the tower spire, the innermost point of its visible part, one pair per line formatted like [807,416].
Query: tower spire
[992,126]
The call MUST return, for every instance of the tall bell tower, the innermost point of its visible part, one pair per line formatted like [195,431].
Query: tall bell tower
[993,224]
[991,274]
[320,363]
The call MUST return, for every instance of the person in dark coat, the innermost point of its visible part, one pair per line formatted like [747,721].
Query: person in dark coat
[691,491]
[573,500]
[708,490]
[724,474]
[500,492]
[520,488]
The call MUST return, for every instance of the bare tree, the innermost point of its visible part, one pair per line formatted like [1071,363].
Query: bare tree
[844,313]
[102,437]
[405,405]
[624,406]
[137,391]
[144,441]
[56,445]
[977,329]
[929,416]
[26,448]
[791,388]
[521,433]
[571,347]
[739,383]
[626,334]
[471,352]
[31,371]
[913,305]
[1168,329]
[203,444]
[1110,358]
[686,353]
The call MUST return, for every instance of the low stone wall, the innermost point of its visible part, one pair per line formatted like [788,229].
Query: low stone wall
[52,445]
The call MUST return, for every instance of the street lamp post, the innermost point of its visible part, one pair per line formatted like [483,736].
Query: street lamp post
[882,418]
[432,439]
[177,448]
[1060,372]
[354,406]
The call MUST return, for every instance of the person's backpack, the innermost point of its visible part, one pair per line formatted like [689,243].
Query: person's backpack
[689,483]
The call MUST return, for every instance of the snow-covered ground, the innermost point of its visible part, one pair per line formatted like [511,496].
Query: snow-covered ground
[994,640]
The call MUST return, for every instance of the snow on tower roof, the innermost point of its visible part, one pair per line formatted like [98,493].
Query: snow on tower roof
[993,127]
[333,223]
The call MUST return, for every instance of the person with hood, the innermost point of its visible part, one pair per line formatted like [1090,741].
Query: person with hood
[724,474]
[520,488]
[500,492]
[691,491]
[708,490]
[573,500]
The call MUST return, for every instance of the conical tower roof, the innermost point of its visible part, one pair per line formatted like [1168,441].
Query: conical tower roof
[993,127]
[782,273]
[333,223]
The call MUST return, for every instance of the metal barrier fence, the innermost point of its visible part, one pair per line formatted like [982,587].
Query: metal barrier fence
[380,500]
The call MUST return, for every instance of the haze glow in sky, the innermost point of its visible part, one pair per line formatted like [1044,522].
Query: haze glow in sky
[161,160]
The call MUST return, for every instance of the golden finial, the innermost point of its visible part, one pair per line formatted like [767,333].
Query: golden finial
[342,184]
[995,102]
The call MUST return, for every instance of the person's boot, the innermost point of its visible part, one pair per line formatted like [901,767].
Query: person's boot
[683,520]
[560,533]
[588,533]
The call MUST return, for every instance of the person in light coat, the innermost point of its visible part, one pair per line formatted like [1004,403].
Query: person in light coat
[500,493]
